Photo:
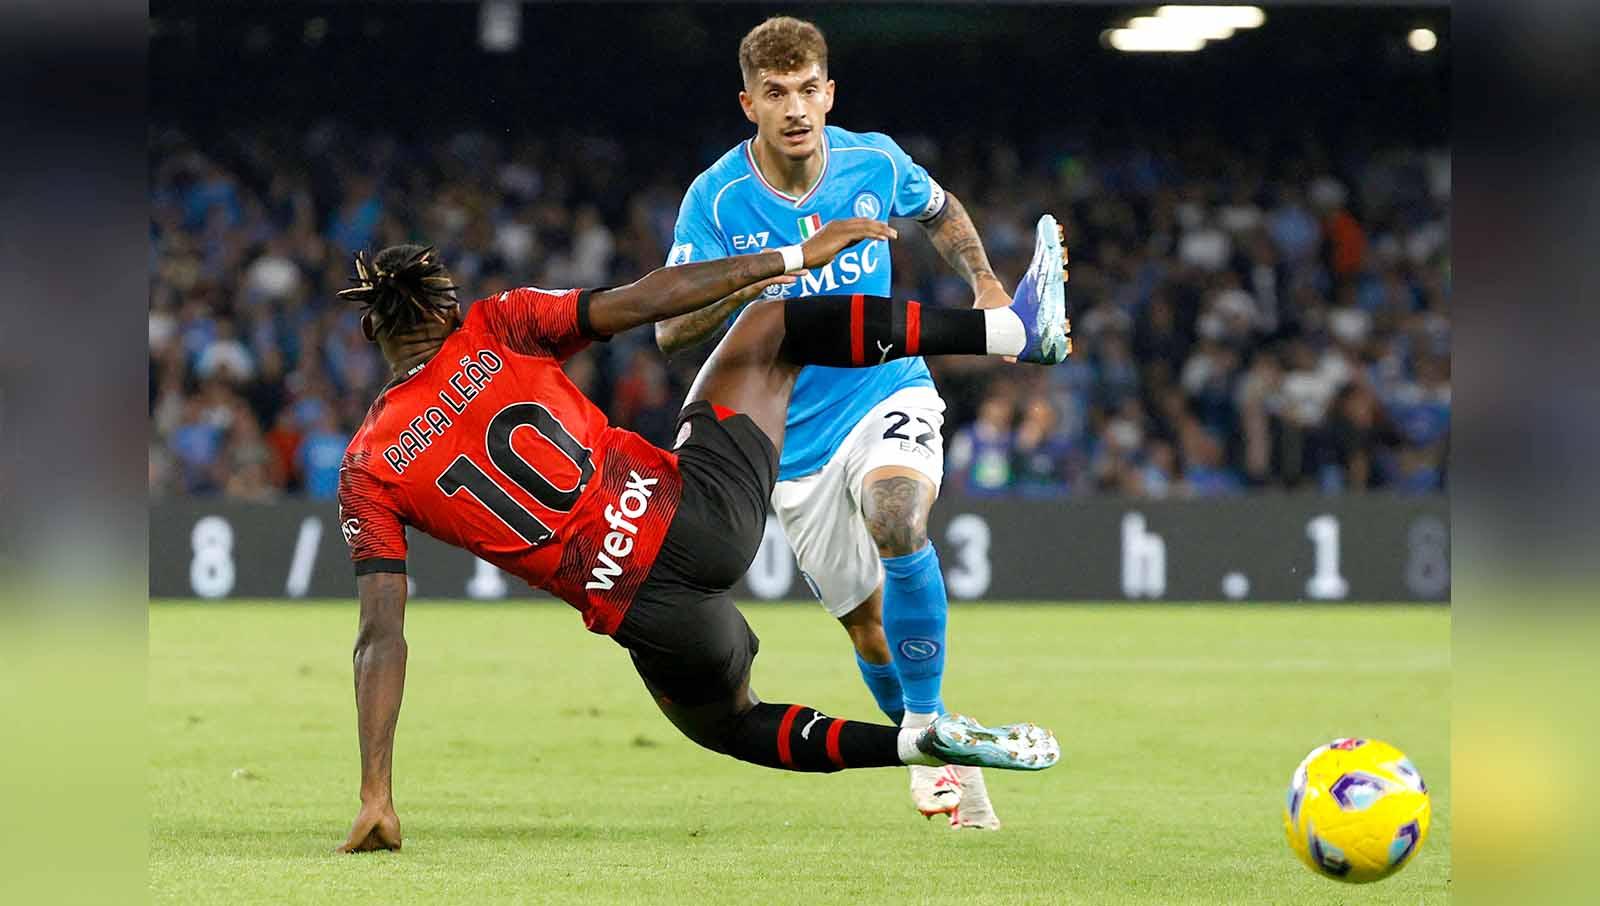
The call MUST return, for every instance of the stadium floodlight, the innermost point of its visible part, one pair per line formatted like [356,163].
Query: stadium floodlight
[1133,40]
[1422,40]
[1208,30]
[1215,16]
[1183,29]
[499,25]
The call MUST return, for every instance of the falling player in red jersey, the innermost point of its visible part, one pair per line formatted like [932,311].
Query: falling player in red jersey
[481,441]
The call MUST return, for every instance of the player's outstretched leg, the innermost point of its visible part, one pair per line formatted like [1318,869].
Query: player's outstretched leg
[753,369]
[795,737]
[860,331]
[694,652]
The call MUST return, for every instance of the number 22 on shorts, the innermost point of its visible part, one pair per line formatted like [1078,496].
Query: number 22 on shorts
[900,420]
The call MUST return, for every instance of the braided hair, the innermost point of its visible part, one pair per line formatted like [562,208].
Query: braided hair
[401,287]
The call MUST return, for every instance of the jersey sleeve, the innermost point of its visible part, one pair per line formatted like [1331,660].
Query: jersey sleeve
[696,236]
[916,195]
[540,322]
[370,522]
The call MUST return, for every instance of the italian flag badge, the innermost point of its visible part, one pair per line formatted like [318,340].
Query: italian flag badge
[809,225]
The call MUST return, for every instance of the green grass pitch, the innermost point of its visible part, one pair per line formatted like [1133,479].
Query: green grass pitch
[531,767]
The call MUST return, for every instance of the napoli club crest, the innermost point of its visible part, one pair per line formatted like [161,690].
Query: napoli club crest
[867,205]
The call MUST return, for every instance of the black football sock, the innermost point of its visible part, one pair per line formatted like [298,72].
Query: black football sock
[800,738]
[859,331]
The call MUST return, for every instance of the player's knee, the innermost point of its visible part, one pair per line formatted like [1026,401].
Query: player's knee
[713,723]
[712,729]
[900,539]
[764,311]
[896,510]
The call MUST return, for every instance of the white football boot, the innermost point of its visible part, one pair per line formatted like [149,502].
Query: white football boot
[935,789]
[958,739]
[975,810]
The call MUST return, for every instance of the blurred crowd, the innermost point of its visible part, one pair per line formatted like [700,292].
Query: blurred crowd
[1244,317]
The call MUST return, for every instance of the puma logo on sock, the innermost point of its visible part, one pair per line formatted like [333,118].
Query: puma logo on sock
[815,716]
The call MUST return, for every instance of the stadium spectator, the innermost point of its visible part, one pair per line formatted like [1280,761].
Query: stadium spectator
[1120,444]
[1204,474]
[321,451]
[1158,476]
[1260,404]
[283,442]
[224,357]
[1353,434]
[196,442]
[1043,459]
[979,460]
[1422,412]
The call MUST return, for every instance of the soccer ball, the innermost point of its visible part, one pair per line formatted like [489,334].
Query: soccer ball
[1357,810]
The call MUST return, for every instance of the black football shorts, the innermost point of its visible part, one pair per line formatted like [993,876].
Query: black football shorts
[688,642]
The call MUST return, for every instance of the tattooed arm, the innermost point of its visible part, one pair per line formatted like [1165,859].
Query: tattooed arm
[954,235]
[684,331]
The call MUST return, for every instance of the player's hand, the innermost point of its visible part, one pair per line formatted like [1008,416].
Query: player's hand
[836,236]
[376,827]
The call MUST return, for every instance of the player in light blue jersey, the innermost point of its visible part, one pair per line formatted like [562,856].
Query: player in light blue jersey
[862,457]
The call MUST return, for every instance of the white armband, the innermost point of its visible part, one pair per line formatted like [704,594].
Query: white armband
[935,205]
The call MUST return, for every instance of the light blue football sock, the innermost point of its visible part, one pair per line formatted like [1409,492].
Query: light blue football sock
[884,682]
[914,611]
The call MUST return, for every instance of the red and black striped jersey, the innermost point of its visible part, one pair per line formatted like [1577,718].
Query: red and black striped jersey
[489,447]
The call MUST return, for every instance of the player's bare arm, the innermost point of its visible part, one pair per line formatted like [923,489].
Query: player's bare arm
[380,673]
[953,233]
[671,291]
[687,331]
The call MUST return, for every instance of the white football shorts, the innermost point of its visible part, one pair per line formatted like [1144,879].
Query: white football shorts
[821,512]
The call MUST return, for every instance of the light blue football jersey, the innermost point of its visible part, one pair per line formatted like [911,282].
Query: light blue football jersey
[730,209]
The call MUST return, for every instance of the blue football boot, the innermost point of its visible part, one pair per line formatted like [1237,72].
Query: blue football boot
[1041,298]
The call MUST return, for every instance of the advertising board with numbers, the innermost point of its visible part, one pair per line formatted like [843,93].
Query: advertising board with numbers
[1267,548]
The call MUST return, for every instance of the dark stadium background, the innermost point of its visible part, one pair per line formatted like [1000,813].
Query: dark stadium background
[351,123]
[630,69]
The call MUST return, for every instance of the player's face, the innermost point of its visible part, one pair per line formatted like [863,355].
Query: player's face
[789,109]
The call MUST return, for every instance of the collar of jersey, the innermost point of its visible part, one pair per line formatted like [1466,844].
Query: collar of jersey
[750,158]
[417,369]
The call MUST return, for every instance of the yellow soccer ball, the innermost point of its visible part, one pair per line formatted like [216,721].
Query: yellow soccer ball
[1357,810]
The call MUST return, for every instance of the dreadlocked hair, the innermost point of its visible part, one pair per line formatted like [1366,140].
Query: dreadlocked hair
[401,287]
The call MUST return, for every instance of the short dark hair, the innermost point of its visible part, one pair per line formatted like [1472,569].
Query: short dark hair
[781,44]
[401,286]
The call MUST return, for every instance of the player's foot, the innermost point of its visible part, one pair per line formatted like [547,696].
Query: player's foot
[975,810]
[1041,298]
[958,739]
[935,790]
